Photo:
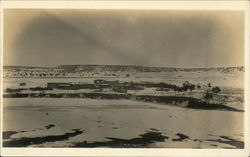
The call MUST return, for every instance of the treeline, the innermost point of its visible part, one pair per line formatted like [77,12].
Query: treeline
[119,68]
[115,68]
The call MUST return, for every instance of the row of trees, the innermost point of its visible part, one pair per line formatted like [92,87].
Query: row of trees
[59,74]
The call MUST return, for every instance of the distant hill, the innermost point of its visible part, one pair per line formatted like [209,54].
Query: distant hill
[78,71]
[7,67]
[122,68]
[136,68]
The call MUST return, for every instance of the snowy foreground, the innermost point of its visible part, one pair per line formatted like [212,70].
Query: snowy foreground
[51,122]
[126,123]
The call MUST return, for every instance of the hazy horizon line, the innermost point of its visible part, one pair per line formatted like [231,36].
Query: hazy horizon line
[120,65]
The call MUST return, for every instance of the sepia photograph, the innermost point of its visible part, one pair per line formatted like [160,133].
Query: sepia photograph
[123,78]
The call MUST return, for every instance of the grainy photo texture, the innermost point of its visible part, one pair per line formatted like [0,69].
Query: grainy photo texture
[88,78]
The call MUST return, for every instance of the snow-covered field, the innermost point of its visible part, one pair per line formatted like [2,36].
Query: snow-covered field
[119,122]
[65,122]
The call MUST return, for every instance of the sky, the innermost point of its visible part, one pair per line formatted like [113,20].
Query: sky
[160,38]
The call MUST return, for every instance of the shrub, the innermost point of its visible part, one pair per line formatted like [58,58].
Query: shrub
[188,86]
[208,96]
[216,90]
[209,84]
[198,86]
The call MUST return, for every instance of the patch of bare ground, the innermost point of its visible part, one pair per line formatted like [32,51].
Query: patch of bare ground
[24,142]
